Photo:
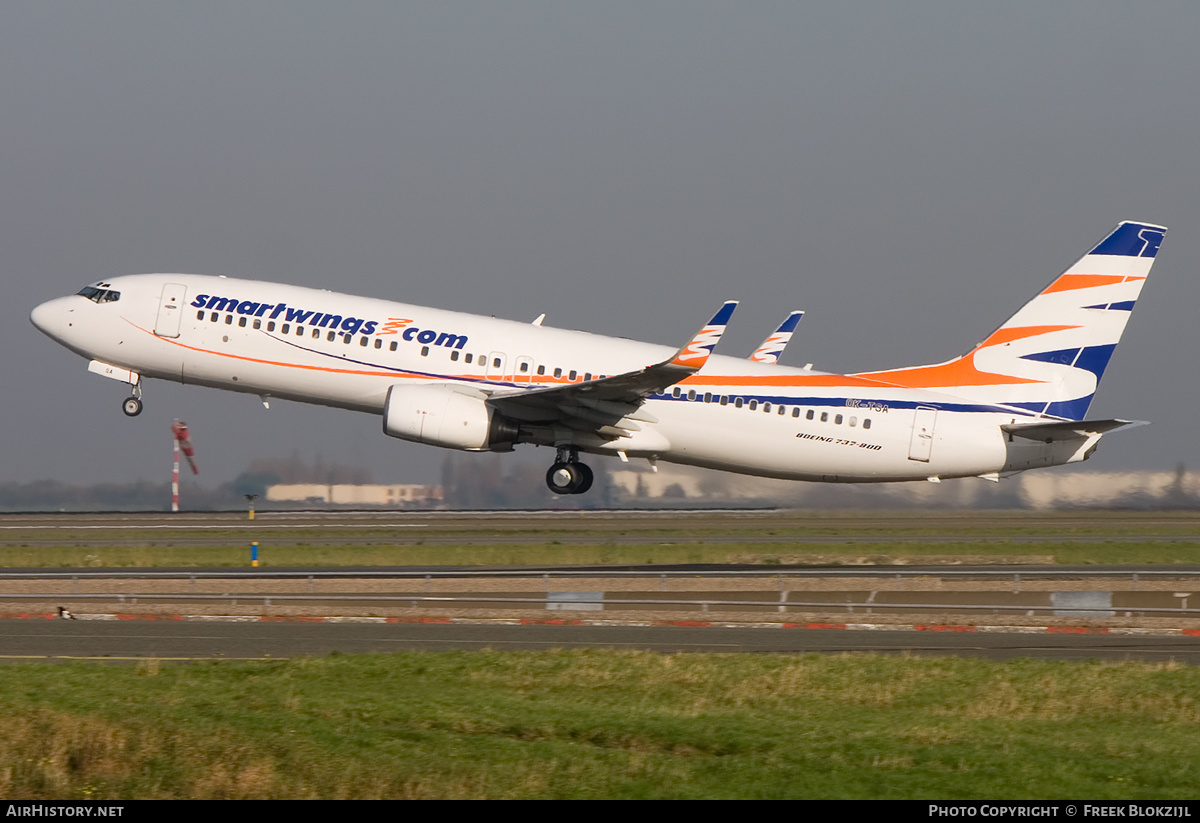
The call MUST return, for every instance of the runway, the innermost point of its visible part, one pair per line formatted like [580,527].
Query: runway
[128,641]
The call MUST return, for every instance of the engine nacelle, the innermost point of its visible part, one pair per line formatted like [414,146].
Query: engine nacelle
[446,415]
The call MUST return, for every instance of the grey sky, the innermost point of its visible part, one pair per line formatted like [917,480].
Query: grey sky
[908,173]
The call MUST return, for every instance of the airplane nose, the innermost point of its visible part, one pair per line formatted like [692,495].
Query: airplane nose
[40,316]
[49,317]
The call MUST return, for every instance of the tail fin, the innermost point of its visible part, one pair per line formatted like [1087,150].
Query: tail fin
[1049,357]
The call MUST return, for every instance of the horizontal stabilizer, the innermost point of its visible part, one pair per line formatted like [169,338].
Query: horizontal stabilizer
[1050,432]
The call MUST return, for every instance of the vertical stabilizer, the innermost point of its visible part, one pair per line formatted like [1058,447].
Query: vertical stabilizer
[1049,357]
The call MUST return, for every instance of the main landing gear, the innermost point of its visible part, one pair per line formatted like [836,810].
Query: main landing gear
[568,475]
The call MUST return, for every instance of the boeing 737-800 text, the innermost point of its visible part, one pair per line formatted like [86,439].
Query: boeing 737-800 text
[1016,401]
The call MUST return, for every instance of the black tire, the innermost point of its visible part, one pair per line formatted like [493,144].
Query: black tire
[132,407]
[585,479]
[560,484]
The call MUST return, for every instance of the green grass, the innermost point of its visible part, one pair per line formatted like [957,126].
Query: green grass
[500,554]
[600,724]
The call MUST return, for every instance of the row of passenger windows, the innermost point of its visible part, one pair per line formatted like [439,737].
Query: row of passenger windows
[523,366]
[780,409]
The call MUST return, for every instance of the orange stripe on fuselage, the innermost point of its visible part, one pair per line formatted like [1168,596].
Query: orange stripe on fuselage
[243,358]
[1071,282]
[960,372]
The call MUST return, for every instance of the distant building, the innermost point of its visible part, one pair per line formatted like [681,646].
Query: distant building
[1178,489]
[401,495]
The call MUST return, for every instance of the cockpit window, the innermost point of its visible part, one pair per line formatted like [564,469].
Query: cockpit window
[97,295]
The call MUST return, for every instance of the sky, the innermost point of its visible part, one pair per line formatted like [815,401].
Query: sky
[909,174]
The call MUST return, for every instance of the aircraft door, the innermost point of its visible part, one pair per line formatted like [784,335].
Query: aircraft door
[495,365]
[170,310]
[921,445]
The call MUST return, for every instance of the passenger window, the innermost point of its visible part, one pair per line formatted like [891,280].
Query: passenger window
[737,402]
[453,352]
[796,412]
[691,394]
[271,325]
[199,315]
[229,320]
[866,422]
[767,408]
[329,337]
[724,400]
[392,347]
[286,328]
[469,358]
[257,323]
[676,392]
[213,317]
[541,369]
[379,342]
[424,351]
[363,341]
[496,363]
[782,409]
[570,376]
[824,417]
[809,416]
[708,397]
[242,322]
[837,420]
[558,372]
[853,421]
[524,367]
[753,405]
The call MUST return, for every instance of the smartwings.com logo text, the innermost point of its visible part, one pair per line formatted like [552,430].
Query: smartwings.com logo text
[347,325]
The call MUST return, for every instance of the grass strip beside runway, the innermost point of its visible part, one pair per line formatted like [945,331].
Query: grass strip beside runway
[600,724]
[292,554]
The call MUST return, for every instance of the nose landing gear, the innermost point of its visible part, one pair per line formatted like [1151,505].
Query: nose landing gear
[132,405]
[568,475]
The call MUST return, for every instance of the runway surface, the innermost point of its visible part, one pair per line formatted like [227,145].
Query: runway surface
[131,641]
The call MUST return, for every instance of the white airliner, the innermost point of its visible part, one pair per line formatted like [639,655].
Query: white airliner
[1016,401]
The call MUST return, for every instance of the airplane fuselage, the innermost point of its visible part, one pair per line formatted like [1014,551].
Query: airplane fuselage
[338,350]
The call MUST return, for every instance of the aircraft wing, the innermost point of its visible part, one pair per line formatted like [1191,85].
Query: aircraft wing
[610,405]
[773,346]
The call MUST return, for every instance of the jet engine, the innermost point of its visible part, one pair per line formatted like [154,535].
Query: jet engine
[447,415]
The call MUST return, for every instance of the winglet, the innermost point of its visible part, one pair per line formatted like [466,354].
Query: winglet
[695,354]
[774,345]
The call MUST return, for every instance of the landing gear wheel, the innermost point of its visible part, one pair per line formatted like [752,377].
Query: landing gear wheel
[563,478]
[569,478]
[587,477]
[132,406]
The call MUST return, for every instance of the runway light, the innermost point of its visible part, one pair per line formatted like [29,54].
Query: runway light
[254,553]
